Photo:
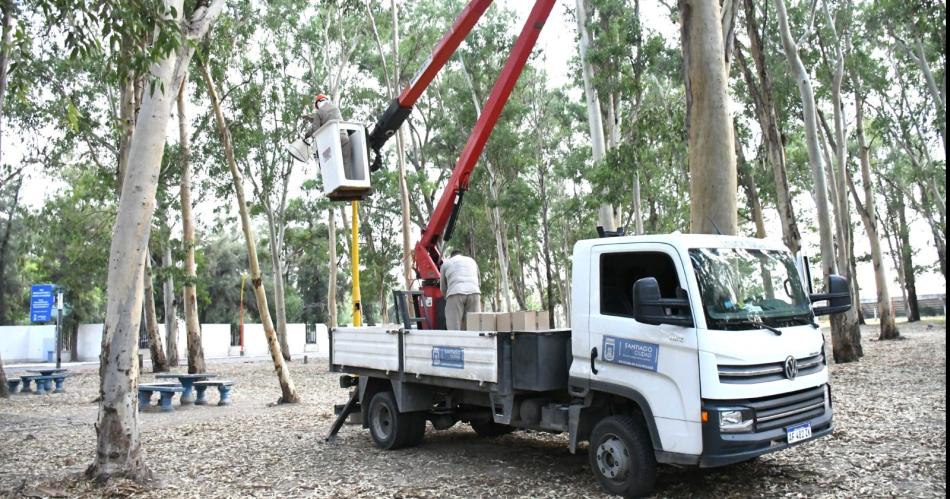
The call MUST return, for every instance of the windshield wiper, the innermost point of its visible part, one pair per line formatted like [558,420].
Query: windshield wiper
[757,322]
[803,321]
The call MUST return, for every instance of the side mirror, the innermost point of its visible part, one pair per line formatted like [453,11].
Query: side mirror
[650,308]
[838,297]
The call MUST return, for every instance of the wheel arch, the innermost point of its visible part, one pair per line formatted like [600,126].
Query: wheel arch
[607,399]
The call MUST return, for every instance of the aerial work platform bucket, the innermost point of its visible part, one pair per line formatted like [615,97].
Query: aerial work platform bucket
[344,160]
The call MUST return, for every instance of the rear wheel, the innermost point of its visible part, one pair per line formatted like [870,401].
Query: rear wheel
[391,429]
[491,429]
[621,456]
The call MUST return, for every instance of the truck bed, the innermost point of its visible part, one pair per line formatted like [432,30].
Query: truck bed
[523,360]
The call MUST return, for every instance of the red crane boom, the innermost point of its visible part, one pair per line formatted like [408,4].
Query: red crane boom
[428,258]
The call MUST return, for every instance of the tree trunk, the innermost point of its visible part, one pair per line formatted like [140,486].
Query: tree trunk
[772,134]
[5,48]
[331,284]
[495,218]
[196,354]
[155,349]
[119,450]
[938,232]
[288,390]
[907,261]
[4,390]
[846,336]
[605,215]
[712,159]
[171,309]
[869,216]
[404,202]
[280,307]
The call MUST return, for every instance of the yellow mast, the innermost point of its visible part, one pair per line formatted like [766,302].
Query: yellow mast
[355,259]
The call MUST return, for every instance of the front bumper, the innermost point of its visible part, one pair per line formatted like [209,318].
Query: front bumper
[720,449]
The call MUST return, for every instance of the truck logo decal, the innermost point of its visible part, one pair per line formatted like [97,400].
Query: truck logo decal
[631,353]
[451,357]
[791,368]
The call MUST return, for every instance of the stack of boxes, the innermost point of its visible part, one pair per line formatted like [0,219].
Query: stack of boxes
[529,320]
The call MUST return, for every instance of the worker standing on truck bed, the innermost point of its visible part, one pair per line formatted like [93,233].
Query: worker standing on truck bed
[460,286]
[324,112]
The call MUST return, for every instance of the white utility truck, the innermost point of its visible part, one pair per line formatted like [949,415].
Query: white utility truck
[683,349]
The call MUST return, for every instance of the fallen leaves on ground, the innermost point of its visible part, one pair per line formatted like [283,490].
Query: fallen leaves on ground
[889,440]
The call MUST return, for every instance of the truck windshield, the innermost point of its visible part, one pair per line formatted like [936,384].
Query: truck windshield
[745,287]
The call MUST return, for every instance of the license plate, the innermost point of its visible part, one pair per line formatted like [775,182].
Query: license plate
[798,433]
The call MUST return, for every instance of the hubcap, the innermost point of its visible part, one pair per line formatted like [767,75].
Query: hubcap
[382,421]
[613,460]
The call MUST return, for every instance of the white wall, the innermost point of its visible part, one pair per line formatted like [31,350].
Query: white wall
[30,343]
[26,343]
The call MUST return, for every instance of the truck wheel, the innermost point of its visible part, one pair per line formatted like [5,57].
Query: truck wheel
[491,429]
[389,428]
[621,456]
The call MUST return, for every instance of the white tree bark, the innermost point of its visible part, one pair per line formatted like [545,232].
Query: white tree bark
[118,445]
[869,217]
[288,390]
[605,215]
[171,310]
[712,159]
[846,345]
[196,356]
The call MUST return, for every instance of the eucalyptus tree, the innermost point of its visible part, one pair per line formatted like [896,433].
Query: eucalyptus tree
[118,450]
[288,389]
[706,41]
[846,342]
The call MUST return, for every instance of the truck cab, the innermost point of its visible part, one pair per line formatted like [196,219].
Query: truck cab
[714,338]
[683,349]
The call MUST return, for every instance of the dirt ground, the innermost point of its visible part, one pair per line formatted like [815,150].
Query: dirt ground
[889,440]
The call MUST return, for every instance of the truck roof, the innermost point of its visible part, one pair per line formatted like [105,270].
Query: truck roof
[686,241]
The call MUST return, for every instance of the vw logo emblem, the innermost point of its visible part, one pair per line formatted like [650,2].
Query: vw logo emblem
[791,367]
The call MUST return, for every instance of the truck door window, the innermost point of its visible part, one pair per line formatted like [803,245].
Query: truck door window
[618,272]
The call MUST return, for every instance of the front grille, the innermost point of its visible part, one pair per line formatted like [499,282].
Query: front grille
[787,409]
[773,371]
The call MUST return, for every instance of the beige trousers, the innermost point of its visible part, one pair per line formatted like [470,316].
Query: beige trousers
[457,307]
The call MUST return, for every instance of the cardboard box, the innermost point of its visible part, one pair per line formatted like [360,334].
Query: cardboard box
[473,321]
[544,321]
[525,320]
[480,321]
[503,322]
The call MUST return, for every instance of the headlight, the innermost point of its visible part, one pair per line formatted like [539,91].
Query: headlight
[735,420]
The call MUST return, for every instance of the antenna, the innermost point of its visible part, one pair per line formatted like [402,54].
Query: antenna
[719,232]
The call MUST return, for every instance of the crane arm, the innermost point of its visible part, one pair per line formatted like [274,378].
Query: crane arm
[401,107]
[427,255]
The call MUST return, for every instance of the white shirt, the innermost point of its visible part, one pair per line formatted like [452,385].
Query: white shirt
[459,276]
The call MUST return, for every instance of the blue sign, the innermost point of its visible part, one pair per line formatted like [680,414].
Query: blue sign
[41,303]
[631,353]
[451,357]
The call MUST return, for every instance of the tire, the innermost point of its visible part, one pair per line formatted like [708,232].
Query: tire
[391,429]
[491,429]
[621,456]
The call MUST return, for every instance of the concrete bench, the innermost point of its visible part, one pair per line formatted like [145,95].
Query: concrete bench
[167,392]
[13,384]
[44,384]
[224,391]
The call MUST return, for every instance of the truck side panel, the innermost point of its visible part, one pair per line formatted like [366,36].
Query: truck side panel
[467,355]
[369,347]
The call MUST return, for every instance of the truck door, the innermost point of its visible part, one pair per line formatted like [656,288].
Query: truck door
[659,364]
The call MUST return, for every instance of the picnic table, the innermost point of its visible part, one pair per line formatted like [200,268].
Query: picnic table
[44,382]
[46,371]
[187,383]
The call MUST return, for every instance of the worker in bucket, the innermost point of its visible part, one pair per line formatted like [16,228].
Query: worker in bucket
[460,286]
[324,112]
